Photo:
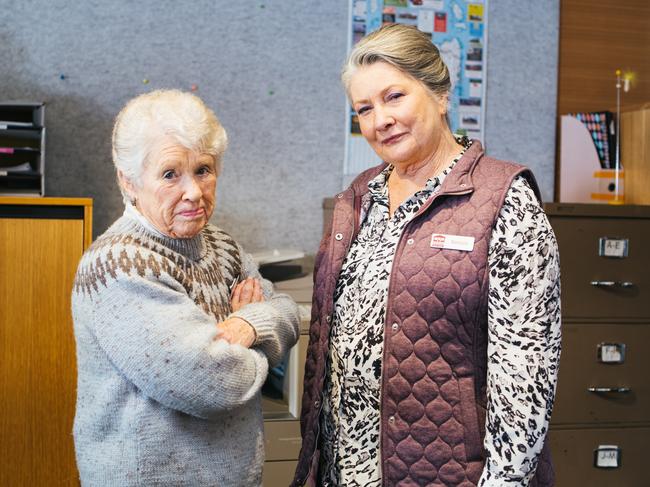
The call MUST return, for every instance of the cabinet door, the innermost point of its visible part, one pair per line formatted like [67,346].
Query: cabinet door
[573,452]
[38,259]
[620,391]
[598,286]
[277,474]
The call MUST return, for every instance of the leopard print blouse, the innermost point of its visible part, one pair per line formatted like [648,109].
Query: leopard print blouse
[523,308]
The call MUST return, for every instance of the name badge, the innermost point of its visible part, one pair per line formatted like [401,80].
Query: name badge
[452,242]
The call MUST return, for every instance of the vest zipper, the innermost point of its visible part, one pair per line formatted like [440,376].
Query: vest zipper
[398,249]
[356,208]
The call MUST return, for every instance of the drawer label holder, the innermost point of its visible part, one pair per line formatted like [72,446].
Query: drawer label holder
[607,456]
[611,353]
[614,247]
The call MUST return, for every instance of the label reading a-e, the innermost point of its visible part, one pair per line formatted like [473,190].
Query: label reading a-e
[613,247]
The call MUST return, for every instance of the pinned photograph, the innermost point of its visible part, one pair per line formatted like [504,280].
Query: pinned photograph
[425,21]
[476,29]
[355,128]
[433,4]
[475,12]
[469,102]
[408,18]
[475,50]
[470,118]
[387,18]
[474,70]
[396,3]
[475,88]
[440,22]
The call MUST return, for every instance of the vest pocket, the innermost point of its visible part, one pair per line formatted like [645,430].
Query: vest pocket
[473,444]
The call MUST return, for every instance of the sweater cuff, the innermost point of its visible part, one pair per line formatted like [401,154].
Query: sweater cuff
[260,317]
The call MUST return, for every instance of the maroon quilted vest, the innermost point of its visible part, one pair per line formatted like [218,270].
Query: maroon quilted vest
[435,337]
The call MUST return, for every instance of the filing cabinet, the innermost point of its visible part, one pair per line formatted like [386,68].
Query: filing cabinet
[600,428]
[282,438]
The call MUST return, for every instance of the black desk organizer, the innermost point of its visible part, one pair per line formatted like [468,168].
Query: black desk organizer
[22,148]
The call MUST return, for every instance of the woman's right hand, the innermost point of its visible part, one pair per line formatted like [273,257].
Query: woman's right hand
[246,292]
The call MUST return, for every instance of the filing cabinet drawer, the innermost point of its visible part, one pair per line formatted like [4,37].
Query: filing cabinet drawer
[595,286]
[580,369]
[574,457]
[282,440]
[278,474]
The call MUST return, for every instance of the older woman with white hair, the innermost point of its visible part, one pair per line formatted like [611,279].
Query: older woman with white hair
[175,328]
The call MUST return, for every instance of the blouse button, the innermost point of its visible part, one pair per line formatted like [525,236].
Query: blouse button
[316,404]
[328,318]
[391,420]
[395,327]
[338,236]
[410,241]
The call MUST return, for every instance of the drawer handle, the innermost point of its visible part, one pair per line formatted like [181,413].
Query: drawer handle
[612,283]
[602,390]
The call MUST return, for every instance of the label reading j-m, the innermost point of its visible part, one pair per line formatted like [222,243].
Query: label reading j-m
[608,456]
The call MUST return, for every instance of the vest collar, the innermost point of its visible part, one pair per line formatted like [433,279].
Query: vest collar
[458,181]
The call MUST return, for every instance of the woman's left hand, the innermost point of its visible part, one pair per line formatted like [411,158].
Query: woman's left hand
[246,292]
[236,332]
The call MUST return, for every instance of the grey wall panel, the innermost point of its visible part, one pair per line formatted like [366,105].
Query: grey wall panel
[269,69]
[522,85]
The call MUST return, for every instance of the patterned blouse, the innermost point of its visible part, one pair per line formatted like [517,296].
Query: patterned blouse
[523,307]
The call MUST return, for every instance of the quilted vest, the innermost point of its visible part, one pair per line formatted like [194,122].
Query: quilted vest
[435,336]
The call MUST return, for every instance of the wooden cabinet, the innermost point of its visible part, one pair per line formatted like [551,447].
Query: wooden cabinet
[603,398]
[41,242]
[635,153]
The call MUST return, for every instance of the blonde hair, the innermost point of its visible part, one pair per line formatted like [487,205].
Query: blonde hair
[405,48]
[147,118]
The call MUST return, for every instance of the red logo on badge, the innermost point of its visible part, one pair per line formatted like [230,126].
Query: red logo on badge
[438,240]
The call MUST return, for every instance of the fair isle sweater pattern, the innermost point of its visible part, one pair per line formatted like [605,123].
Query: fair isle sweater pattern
[146,255]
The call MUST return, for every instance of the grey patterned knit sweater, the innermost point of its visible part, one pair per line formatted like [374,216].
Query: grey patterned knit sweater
[161,400]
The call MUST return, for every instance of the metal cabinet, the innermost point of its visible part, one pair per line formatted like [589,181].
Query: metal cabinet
[601,421]
[282,438]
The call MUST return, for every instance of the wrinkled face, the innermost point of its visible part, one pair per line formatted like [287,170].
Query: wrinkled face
[177,189]
[399,117]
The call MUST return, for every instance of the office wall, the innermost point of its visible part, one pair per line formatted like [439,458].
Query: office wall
[269,69]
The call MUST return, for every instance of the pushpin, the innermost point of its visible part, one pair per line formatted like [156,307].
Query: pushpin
[62,76]
[194,87]
[271,92]
[145,81]
[629,80]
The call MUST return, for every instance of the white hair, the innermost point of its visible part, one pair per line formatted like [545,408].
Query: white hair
[146,119]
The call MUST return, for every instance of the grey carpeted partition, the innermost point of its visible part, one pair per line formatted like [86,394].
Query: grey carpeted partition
[269,69]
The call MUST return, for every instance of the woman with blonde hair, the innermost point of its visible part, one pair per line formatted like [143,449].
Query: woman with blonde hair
[435,335]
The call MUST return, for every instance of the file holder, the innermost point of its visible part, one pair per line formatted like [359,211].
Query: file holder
[22,148]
